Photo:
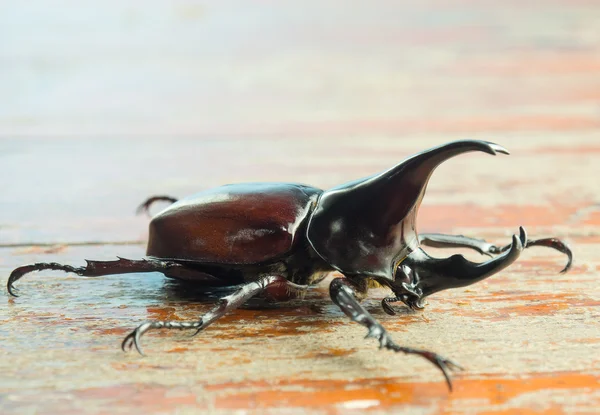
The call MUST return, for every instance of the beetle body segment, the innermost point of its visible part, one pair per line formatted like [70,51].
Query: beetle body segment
[233,224]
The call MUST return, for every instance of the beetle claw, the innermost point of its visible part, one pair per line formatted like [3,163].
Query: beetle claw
[553,243]
[385,304]
[442,363]
[454,366]
[12,290]
[557,244]
[197,331]
[134,338]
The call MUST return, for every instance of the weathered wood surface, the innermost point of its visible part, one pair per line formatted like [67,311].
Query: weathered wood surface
[102,106]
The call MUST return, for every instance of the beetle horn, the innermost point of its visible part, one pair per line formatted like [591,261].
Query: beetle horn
[408,180]
[432,274]
[366,226]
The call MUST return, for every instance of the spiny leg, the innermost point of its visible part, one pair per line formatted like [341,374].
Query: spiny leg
[225,304]
[549,243]
[437,240]
[420,275]
[344,295]
[434,274]
[145,207]
[96,269]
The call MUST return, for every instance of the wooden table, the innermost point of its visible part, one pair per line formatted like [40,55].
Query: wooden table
[102,106]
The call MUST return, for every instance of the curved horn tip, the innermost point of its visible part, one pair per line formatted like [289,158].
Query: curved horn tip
[496,148]
[523,236]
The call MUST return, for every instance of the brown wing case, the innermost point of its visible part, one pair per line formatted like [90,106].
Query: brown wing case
[233,224]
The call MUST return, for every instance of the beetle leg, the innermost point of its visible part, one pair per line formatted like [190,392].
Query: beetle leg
[145,207]
[432,274]
[413,302]
[225,304]
[344,295]
[437,240]
[547,242]
[97,268]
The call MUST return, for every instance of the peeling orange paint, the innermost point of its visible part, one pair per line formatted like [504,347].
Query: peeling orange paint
[524,304]
[393,393]
[162,313]
[525,411]
[504,297]
[178,350]
[115,331]
[332,396]
[328,353]
[279,327]
[153,398]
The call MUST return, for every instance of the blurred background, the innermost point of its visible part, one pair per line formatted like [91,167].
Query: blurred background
[105,103]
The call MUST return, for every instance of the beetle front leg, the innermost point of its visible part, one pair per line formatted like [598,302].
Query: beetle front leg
[438,240]
[343,295]
[225,304]
[547,242]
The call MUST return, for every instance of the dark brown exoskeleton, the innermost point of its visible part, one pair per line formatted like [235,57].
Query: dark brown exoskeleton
[279,238]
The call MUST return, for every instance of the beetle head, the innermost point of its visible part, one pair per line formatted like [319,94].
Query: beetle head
[368,226]
[421,275]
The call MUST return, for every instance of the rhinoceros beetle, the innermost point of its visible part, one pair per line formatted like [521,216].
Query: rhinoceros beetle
[277,239]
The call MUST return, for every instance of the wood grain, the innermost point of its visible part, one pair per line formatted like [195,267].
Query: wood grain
[103,106]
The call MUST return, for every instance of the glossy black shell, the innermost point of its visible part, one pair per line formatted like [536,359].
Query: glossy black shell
[368,227]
